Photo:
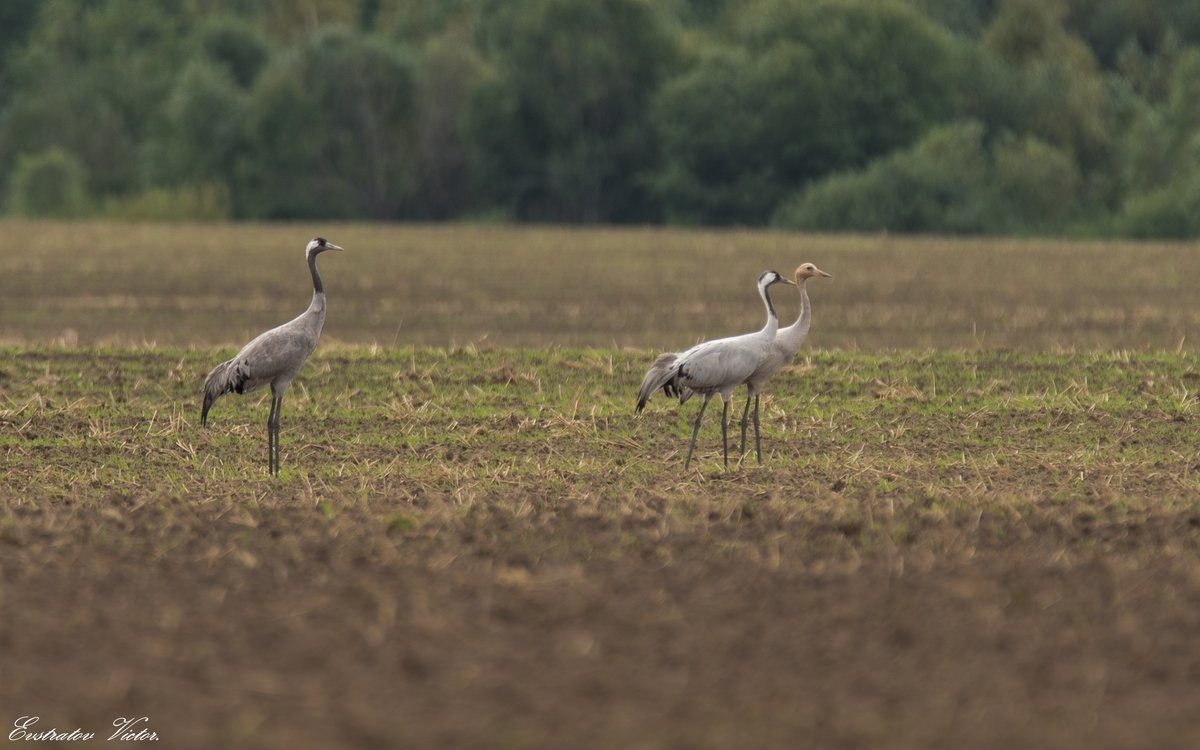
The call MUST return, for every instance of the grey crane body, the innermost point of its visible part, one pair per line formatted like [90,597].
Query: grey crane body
[787,342]
[714,367]
[273,357]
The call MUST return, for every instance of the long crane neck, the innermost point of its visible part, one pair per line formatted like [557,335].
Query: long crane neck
[790,339]
[805,320]
[318,300]
[772,317]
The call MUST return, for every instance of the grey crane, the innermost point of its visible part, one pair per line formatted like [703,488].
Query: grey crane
[713,367]
[273,357]
[787,342]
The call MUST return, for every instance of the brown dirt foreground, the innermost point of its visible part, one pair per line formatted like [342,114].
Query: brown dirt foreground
[534,634]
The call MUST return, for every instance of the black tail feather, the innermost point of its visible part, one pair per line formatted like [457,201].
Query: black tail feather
[664,374]
[217,384]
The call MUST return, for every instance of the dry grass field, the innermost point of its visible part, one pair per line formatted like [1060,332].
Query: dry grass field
[977,524]
[201,285]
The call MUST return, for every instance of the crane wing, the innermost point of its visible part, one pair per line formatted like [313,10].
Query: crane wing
[706,367]
[272,356]
[714,364]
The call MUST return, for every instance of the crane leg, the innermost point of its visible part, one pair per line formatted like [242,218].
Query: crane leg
[278,409]
[271,438]
[273,435]
[687,462]
[745,415]
[724,426]
[757,439]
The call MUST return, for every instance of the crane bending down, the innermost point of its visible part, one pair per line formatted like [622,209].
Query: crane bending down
[273,357]
[787,342]
[713,367]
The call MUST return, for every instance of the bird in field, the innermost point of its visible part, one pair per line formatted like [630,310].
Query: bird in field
[273,357]
[714,367]
[787,342]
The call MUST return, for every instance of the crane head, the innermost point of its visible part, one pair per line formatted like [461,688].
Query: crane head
[319,245]
[767,278]
[808,270]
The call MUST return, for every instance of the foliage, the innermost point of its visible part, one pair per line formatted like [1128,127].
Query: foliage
[1159,161]
[1114,27]
[787,104]
[240,49]
[204,202]
[332,126]
[716,170]
[558,125]
[967,17]
[449,70]
[951,181]
[17,17]
[51,183]
[1172,210]
[1032,186]
[203,127]
[688,111]
[90,81]
[1060,95]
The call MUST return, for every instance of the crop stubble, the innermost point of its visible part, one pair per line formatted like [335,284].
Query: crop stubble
[483,547]
[474,543]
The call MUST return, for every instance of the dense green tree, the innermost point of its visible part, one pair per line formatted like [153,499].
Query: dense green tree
[716,170]
[415,22]
[449,70]
[1155,145]
[558,124]
[203,128]
[196,146]
[699,12]
[1171,211]
[1146,74]
[240,49]
[931,187]
[887,72]
[1159,158]
[332,130]
[1111,27]
[951,181]
[1032,187]
[17,18]
[50,183]
[829,85]
[967,17]
[90,81]
[1059,94]
[1069,115]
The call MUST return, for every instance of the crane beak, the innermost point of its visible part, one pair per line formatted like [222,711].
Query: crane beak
[330,246]
[826,275]
[787,281]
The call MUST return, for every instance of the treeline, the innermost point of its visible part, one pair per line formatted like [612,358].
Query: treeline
[1077,117]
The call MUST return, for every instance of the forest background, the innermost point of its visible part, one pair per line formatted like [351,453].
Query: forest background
[1046,117]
